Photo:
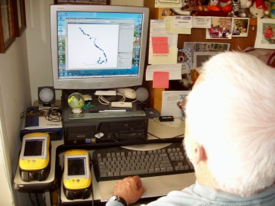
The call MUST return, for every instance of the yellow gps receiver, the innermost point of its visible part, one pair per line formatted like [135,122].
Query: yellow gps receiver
[34,157]
[77,177]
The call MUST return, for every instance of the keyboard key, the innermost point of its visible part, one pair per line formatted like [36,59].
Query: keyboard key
[134,172]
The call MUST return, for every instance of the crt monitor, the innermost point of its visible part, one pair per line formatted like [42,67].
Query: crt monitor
[98,47]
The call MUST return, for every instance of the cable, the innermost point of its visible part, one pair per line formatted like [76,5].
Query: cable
[180,135]
[44,200]
[31,199]
[54,114]
[37,199]
[32,112]
[114,138]
[92,192]
[102,100]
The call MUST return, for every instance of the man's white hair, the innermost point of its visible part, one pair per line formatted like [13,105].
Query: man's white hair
[231,112]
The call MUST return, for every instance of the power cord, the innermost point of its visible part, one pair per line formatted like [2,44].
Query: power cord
[53,114]
[33,113]
[30,197]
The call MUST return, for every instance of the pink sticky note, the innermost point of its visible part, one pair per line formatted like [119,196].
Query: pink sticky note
[160,45]
[161,80]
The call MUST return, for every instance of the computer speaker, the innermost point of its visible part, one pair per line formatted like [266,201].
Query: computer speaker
[46,95]
[142,94]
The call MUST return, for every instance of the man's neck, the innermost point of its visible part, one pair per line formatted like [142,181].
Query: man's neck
[205,178]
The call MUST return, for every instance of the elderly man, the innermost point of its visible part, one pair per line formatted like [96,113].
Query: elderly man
[230,137]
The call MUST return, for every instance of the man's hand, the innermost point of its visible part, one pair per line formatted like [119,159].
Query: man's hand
[130,189]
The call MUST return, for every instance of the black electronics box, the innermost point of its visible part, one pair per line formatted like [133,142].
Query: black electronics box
[92,126]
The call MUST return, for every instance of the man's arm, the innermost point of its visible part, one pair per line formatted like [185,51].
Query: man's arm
[130,189]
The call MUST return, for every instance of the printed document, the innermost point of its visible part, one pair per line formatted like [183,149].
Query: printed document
[157,29]
[169,103]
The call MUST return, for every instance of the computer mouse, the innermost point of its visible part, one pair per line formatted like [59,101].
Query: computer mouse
[128,93]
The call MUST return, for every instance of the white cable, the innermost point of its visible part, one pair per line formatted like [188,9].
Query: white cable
[102,100]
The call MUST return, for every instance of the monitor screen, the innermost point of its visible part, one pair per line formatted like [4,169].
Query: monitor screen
[98,47]
[34,147]
[76,166]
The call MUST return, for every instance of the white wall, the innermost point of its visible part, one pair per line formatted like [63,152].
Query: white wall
[25,66]
[39,45]
[15,97]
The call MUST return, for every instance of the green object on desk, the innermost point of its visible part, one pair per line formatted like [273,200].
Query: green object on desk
[88,105]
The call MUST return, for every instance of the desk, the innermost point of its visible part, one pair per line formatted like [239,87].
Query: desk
[155,186]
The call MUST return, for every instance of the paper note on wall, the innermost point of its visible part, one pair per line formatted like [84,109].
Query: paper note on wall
[170,58]
[169,103]
[201,22]
[173,69]
[157,29]
[168,3]
[160,45]
[161,80]
[178,24]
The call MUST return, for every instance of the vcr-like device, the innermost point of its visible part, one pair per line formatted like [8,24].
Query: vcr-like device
[92,126]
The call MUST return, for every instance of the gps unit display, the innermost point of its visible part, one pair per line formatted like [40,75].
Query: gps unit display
[34,160]
[77,177]
[76,166]
[34,147]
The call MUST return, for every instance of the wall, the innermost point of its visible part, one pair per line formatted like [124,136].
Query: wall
[15,97]
[25,66]
[39,45]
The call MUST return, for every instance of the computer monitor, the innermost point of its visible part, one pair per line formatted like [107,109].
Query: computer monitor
[98,47]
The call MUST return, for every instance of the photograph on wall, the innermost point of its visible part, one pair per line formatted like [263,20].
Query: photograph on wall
[240,27]
[200,57]
[185,58]
[265,34]
[221,28]
[206,46]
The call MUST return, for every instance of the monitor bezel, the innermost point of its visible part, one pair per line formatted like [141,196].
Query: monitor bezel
[102,82]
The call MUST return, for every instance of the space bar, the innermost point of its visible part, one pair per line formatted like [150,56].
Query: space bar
[134,172]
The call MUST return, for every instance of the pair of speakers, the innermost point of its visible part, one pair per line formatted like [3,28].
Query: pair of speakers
[46,95]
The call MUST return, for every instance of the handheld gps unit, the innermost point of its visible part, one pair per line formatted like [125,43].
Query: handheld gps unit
[77,177]
[34,157]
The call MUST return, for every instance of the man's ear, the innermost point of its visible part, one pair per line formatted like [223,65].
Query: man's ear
[198,153]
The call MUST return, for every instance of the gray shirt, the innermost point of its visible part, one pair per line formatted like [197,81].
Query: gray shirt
[198,195]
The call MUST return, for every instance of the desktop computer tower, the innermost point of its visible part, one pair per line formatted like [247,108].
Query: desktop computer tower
[92,126]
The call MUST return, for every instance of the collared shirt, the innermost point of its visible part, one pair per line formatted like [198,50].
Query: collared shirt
[198,195]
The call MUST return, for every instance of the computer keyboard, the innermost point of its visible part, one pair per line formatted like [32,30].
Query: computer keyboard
[117,163]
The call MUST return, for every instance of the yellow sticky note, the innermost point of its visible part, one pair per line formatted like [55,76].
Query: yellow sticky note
[170,58]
